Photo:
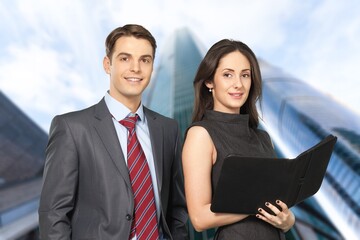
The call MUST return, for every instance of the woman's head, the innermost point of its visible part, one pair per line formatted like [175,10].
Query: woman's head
[232,68]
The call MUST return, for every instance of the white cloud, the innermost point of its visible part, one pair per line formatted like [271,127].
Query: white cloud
[59,45]
[52,63]
[257,23]
[40,81]
[327,54]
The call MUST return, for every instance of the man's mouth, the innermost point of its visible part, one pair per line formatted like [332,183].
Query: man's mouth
[133,79]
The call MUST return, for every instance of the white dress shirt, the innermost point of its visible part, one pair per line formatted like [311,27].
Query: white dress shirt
[119,111]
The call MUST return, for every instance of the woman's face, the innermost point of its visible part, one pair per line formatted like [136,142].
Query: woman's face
[232,82]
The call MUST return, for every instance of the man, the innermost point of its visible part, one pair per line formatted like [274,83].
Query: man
[89,190]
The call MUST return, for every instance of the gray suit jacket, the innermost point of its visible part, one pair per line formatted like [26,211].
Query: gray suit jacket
[87,192]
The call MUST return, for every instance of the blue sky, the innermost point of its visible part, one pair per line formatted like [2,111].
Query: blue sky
[51,51]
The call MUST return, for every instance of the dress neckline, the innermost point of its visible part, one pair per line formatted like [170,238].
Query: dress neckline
[226,117]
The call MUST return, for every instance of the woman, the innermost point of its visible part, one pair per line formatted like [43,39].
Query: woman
[225,120]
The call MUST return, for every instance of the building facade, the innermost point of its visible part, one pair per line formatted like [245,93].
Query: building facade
[22,149]
[296,116]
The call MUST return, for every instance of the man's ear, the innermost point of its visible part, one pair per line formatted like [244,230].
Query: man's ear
[107,65]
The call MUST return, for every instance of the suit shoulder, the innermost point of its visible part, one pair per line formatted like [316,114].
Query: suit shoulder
[77,114]
[78,117]
[165,119]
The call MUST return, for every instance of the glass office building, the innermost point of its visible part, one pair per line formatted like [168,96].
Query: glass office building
[297,117]
[171,92]
[22,146]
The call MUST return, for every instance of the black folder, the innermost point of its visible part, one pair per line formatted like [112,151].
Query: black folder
[246,183]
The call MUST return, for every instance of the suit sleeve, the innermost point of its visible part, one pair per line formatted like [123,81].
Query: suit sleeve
[59,182]
[178,211]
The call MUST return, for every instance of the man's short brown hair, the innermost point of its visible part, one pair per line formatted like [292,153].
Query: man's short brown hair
[134,30]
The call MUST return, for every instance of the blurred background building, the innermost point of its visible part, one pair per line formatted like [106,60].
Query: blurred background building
[22,145]
[295,115]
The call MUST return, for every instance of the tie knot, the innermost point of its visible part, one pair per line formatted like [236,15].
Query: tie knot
[129,122]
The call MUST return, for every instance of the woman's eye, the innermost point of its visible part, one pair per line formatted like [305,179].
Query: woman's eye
[227,75]
[245,75]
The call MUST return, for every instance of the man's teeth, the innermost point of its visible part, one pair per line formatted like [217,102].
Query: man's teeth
[133,79]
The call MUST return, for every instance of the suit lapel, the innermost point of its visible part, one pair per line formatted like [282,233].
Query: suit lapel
[156,138]
[104,127]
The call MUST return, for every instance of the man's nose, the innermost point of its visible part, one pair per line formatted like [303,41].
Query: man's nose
[135,66]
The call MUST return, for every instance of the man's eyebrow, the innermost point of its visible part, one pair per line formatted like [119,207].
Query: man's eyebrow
[128,54]
[146,56]
[123,53]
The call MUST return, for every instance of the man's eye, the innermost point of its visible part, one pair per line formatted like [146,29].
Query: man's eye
[124,59]
[146,60]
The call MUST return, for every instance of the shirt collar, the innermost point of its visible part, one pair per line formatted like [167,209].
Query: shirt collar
[119,111]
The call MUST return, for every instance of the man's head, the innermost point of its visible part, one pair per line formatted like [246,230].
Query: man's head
[128,30]
[129,61]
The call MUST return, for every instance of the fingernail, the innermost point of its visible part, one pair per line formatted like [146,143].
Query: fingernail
[267,204]
[259,209]
[277,201]
[257,215]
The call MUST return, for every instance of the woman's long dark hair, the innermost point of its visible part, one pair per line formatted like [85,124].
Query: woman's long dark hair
[206,71]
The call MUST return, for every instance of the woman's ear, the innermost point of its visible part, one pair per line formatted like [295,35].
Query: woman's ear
[209,84]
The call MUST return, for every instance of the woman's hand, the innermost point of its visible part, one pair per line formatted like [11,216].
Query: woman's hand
[283,218]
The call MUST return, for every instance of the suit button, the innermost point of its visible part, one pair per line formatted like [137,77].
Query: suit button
[128,217]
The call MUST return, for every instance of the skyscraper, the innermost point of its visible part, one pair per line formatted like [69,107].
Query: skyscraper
[292,110]
[22,146]
[298,116]
[171,92]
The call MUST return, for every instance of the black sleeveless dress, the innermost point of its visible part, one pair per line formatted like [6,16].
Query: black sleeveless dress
[231,134]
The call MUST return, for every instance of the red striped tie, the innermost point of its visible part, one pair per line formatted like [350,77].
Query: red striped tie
[145,224]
